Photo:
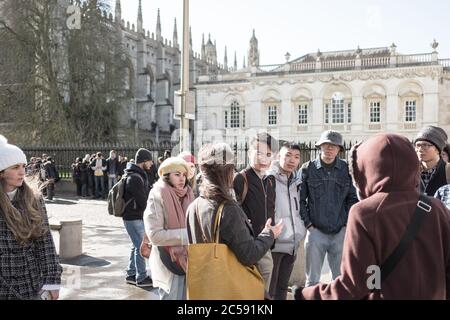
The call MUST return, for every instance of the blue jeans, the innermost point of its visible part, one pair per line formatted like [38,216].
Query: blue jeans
[99,186]
[177,290]
[136,265]
[111,182]
[317,244]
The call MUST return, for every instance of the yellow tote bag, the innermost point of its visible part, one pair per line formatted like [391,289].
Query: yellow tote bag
[214,272]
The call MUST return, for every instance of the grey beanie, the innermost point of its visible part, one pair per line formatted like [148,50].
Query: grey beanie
[332,137]
[435,135]
[142,155]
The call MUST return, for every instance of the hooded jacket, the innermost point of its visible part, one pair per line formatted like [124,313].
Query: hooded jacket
[386,172]
[287,207]
[136,188]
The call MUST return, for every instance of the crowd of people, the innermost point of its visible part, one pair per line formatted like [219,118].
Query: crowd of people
[356,214]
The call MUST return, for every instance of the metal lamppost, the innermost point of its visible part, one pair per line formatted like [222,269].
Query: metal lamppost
[184,91]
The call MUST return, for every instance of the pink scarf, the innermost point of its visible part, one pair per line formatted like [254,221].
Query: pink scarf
[175,204]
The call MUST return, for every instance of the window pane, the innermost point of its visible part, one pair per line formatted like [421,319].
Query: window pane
[349,113]
[375,112]
[272,115]
[226,119]
[327,114]
[234,115]
[337,111]
[303,114]
[410,111]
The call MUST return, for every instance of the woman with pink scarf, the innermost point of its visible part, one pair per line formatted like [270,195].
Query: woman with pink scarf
[165,226]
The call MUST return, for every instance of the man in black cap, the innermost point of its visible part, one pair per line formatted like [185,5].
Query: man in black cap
[137,189]
[429,143]
[326,195]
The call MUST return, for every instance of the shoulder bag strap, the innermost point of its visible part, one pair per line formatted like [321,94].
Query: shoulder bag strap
[423,208]
[217,222]
[205,240]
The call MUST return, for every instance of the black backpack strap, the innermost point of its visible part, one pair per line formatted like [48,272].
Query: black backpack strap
[423,208]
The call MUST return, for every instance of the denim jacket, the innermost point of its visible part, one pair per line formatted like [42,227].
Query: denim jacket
[325,199]
[443,194]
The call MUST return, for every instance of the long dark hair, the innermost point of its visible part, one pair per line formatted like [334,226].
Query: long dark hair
[217,169]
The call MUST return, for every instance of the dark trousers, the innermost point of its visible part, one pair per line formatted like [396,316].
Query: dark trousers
[50,191]
[79,184]
[283,264]
[99,186]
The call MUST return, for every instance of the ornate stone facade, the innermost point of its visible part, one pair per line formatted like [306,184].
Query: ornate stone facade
[357,92]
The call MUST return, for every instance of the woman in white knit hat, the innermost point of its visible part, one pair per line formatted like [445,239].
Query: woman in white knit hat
[165,226]
[29,266]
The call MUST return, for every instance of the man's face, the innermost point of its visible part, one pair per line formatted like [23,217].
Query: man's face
[260,156]
[289,159]
[426,151]
[147,165]
[329,152]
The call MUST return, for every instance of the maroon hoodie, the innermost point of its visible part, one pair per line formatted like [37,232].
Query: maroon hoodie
[385,169]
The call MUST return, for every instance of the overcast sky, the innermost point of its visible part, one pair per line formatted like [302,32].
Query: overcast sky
[300,26]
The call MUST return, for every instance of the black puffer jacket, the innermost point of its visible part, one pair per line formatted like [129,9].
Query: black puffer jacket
[136,188]
[235,230]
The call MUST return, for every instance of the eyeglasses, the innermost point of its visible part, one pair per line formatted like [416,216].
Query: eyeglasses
[424,146]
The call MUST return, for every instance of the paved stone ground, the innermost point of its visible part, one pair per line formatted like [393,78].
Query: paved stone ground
[99,274]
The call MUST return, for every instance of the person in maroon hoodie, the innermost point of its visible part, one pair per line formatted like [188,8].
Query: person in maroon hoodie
[386,174]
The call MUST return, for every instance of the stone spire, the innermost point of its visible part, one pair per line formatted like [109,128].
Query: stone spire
[118,13]
[253,52]
[139,19]
[210,51]
[235,62]
[158,28]
[225,59]
[175,34]
[203,52]
[190,37]
[243,64]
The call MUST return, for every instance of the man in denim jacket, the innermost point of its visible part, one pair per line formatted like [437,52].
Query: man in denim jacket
[326,195]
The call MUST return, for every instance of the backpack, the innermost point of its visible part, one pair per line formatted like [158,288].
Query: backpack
[116,201]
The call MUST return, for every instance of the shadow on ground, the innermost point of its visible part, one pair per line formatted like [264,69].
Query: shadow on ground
[86,261]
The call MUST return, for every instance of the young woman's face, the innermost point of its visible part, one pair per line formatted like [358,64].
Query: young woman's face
[445,156]
[178,180]
[12,178]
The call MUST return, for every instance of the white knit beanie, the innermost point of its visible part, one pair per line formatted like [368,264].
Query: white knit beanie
[10,154]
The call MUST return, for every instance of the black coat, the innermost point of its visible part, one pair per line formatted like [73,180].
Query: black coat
[235,230]
[259,203]
[136,188]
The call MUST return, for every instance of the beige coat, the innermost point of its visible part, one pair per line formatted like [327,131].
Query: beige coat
[155,222]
